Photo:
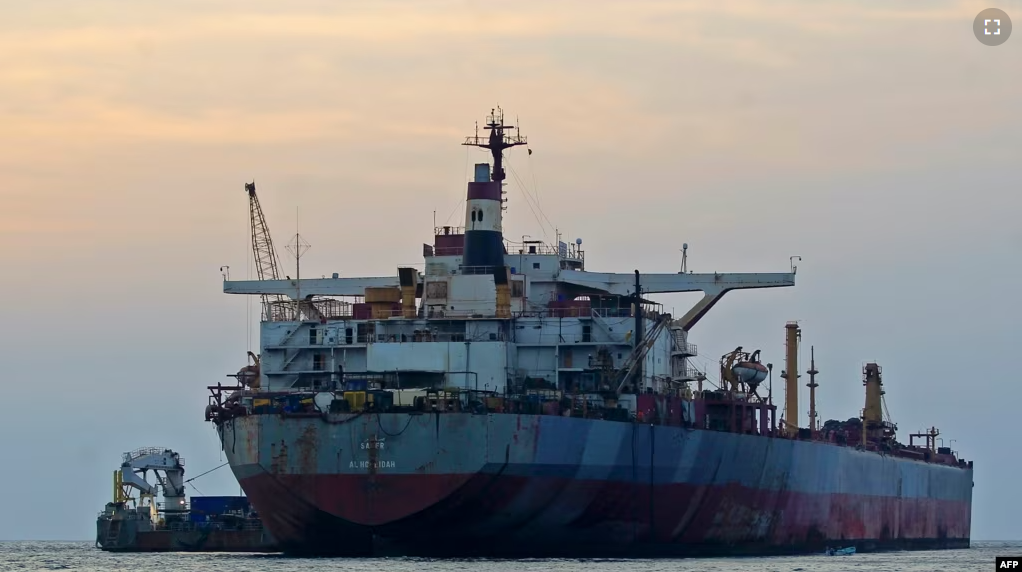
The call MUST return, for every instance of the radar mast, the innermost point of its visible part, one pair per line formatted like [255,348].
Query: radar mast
[497,141]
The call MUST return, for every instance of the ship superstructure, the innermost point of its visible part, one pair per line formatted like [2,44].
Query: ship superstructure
[521,310]
[508,396]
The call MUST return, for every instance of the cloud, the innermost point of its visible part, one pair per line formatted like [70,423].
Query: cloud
[94,120]
[708,90]
[42,226]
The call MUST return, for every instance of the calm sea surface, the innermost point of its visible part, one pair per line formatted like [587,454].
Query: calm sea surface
[26,556]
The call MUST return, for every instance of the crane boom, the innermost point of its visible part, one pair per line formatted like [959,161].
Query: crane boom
[166,465]
[275,306]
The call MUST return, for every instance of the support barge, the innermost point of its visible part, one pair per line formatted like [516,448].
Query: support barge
[201,524]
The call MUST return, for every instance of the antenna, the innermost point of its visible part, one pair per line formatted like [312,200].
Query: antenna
[684,258]
[497,141]
[297,247]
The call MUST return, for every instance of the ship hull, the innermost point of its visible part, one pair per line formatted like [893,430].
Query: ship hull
[127,539]
[504,485]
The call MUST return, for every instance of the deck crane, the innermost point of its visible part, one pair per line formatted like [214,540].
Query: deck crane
[169,469]
[276,307]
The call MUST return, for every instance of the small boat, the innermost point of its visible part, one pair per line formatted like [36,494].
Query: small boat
[841,551]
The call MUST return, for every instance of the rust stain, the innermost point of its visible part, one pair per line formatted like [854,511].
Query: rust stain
[278,459]
[255,431]
[372,445]
[736,521]
[426,468]
[307,451]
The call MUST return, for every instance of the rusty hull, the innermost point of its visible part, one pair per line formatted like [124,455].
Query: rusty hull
[459,484]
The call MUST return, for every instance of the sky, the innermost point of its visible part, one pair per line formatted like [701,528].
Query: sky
[876,140]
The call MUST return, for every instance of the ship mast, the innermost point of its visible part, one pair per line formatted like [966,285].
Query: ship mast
[814,425]
[496,142]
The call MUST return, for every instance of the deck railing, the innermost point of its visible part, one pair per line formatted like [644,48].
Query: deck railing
[346,313]
[143,451]
[517,399]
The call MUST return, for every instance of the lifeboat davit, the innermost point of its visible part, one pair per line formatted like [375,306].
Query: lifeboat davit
[249,376]
[751,373]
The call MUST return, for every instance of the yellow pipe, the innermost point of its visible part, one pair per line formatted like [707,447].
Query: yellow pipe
[408,302]
[792,336]
[408,279]
[503,307]
[119,495]
[872,413]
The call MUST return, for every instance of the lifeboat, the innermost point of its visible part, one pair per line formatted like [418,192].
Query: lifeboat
[751,373]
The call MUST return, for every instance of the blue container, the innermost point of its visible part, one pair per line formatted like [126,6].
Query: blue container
[356,385]
[205,506]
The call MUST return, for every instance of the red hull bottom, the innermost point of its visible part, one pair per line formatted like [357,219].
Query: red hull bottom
[490,515]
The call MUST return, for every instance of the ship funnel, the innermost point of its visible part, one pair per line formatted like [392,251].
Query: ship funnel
[484,240]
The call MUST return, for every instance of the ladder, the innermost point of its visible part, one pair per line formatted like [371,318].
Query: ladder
[113,533]
[579,405]
[639,354]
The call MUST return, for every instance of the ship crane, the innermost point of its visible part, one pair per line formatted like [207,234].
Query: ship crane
[169,469]
[276,307]
[635,359]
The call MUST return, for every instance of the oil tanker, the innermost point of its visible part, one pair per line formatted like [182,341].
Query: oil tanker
[507,402]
